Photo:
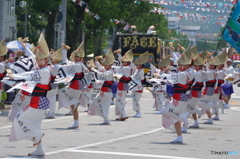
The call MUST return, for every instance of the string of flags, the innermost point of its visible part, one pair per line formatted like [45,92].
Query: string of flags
[197,2]
[211,19]
[186,39]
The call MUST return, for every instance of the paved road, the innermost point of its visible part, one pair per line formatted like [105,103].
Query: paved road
[135,138]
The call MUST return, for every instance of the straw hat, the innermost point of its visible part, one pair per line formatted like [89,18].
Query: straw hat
[222,58]
[80,50]
[41,50]
[181,47]
[71,58]
[194,51]
[185,58]
[23,40]
[199,60]
[56,55]
[203,54]
[214,61]
[128,56]
[109,58]
[91,63]
[32,48]
[165,62]
[170,44]
[3,48]
[142,59]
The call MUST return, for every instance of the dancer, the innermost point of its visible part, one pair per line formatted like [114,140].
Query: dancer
[159,84]
[207,99]
[175,110]
[51,95]
[190,76]
[217,102]
[70,95]
[137,78]
[123,73]
[227,87]
[27,123]
[101,103]
[196,90]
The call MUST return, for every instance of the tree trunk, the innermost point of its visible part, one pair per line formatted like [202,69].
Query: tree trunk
[73,37]
[2,19]
[97,46]
[50,29]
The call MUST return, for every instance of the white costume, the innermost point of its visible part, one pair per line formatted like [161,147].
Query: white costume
[175,110]
[101,103]
[70,95]
[22,99]
[27,123]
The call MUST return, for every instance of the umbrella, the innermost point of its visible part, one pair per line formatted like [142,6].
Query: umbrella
[16,45]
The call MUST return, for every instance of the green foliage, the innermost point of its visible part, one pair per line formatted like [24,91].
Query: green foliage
[35,23]
[102,17]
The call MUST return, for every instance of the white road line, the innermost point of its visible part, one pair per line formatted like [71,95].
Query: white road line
[129,154]
[236,108]
[107,141]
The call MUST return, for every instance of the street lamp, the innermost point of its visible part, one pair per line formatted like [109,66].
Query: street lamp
[23,4]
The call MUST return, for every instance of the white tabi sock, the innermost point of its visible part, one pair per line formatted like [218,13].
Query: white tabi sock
[195,122]
[177,140]
[38,152]
[76,123]
[210,120]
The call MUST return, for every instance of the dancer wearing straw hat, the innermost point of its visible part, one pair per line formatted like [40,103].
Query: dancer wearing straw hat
[70,95]
[137,78]
[101,103]
[174,111]
[27,123]
[123,74]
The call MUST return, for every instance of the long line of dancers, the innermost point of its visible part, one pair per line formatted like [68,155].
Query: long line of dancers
[183,85]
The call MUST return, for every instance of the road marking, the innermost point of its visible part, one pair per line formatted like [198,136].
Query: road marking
[233,103]
[107,141]
[128,154]
[236,108]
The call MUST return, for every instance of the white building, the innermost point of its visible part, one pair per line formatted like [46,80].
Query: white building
[10,31]
[174,23]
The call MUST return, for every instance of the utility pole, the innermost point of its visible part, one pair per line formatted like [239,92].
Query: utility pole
[25,30]
[62,31]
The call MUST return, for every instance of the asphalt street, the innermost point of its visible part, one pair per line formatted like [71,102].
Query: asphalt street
[134,138]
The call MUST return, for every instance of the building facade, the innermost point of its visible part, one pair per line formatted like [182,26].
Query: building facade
[10,31]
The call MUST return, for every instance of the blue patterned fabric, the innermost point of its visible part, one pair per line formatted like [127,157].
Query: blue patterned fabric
[210,91]
[183,97]
[43,103]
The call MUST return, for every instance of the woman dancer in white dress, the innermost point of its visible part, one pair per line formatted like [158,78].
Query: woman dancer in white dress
[101,103]
[174,111]
[51,95]
[137,77]
[123,73]
[70,95]
[27,123]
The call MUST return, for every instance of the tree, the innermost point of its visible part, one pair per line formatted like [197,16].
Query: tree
[49,9]
[2,19]
[35,23]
